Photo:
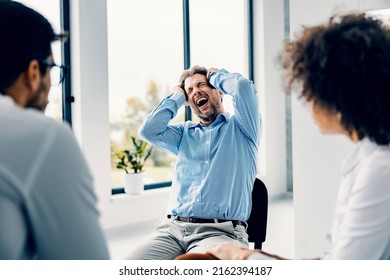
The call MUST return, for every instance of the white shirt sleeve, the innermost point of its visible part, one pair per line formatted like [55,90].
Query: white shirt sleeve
[47,201]
[362,221]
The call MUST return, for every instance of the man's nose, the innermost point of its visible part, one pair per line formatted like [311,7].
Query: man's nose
[196,90]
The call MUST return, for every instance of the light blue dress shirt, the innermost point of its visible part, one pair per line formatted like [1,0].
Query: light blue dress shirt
[216,164]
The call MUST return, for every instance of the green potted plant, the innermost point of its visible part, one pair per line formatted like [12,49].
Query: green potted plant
[132,161]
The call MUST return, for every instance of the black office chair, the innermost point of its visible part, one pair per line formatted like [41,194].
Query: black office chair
[257,222]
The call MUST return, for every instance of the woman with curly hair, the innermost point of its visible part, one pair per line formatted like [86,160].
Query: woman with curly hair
[343,70]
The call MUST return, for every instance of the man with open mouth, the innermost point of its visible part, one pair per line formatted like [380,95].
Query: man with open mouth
[211,190]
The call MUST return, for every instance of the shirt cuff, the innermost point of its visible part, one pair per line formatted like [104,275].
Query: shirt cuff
[179,98]
[212,79]
[217,77]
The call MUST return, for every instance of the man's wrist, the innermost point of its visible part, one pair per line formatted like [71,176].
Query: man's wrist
[210,74]
[179,98]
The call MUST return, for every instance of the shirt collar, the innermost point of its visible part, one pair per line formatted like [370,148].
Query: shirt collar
[7,99]
[364,148]
[219,119]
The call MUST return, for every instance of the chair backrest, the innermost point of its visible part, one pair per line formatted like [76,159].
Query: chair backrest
[257,222]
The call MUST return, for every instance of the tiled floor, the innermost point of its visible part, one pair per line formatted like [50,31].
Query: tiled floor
[280,232]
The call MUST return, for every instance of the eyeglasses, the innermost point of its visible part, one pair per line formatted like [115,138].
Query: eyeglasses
[57,72]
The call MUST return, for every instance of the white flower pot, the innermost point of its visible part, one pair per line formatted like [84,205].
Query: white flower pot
[134,183]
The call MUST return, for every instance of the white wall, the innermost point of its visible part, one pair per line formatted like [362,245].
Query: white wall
[269,36]
[90,87]
[316,158]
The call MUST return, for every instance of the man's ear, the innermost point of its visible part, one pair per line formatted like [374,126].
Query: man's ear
[32,75]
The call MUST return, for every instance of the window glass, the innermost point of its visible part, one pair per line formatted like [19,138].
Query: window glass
[51,10]
[145,57]
[219,36]
[383,15]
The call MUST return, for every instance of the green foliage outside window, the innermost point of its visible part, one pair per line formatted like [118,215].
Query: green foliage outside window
[137,108]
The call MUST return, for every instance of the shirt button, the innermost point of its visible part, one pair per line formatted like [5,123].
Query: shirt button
[206,162]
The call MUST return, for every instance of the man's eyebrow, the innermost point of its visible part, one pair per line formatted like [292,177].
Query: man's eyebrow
[196,84]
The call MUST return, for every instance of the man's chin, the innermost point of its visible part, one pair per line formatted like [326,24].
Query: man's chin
[206,118]
[43,108]
[206,112]
[40,108]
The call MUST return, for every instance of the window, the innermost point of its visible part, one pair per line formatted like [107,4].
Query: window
[51,10]
[145,57]
[383,14]
[219,37]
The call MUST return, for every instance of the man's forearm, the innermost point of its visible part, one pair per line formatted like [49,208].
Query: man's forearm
[156,129]
[245,100]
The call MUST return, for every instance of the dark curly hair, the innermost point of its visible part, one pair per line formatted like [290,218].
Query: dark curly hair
[344,66]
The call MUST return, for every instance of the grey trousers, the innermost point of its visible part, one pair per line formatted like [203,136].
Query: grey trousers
[174,238]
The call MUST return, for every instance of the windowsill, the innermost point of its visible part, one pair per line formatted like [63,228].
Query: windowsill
[147,187]
[147,194]
[127,209]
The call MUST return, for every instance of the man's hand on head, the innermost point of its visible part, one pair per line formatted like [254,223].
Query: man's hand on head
[211,72]
[180,89]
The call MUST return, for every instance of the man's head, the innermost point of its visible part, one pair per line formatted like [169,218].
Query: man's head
[25,54]
[204,99]
[343,67]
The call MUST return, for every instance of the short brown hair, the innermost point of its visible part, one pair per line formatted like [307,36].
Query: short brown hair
[191,72]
